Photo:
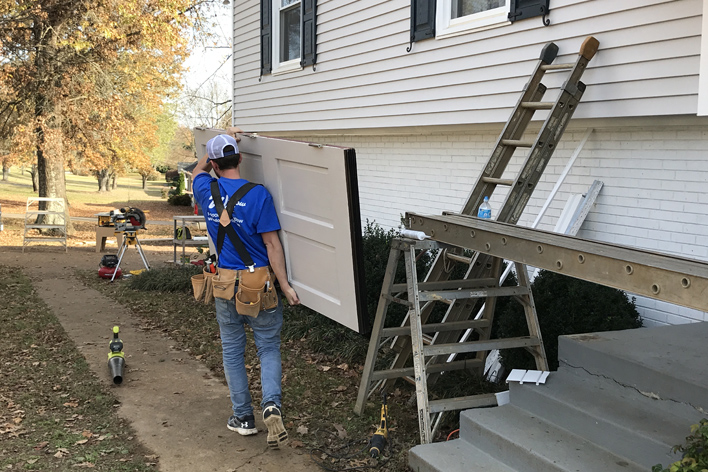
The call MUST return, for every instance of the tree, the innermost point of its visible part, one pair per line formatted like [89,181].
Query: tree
[68,67]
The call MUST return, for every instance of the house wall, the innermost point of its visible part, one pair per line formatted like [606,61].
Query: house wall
[648,64]
[654,173]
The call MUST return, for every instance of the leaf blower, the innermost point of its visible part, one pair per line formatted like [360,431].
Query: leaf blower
[116,357]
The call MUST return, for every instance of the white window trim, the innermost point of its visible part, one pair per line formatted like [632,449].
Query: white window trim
[278,67]
[446,26]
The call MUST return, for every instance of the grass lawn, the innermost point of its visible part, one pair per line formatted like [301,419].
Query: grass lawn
[54,413]
[85,199]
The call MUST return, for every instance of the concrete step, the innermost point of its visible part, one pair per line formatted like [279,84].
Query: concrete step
[453,456]
[530,444]
[667,362]
[617,418]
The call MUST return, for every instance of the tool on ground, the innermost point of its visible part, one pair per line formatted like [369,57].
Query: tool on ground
[128,221]
[116,357]
[378,440]
[431,344]
[107,267]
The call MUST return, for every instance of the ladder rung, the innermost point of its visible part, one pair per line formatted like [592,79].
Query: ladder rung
[474,293]
[436,327]
[431,369]
[516,143]
[477,346]
[492,180]
[462,403]
[448,284]
[537,105]
[568,65]
[459,258]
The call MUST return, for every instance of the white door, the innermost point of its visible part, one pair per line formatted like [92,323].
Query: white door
[316,196]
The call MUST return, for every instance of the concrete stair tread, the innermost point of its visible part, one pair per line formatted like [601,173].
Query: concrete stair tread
[667,361]
[453,456]
[529,443]
[664,420]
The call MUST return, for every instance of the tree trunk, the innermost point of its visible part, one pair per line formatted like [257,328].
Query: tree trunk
[52,184]
[103,176]
[113,181]
[145,177]
[35,178]
[50,165]
[5,171]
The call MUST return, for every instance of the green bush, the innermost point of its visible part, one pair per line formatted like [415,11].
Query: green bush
[165,279]
[695,451]
[180,200]
[564,306]
[162,168]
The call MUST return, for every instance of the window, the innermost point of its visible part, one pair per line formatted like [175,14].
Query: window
[458,16]
[287,43]
[288,35]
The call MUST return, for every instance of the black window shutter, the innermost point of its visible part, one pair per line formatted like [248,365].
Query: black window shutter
[266,37]
[522,9]
[422,19]
[308,55]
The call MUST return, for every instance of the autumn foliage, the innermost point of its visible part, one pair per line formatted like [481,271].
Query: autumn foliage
[85,81]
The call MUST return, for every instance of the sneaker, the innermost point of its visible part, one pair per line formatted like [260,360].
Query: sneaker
[245,426]
[273,419]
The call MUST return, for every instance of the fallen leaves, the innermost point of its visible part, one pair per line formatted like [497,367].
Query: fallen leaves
[302,429]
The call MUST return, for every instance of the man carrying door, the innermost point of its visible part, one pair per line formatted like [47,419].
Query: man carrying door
[256,225]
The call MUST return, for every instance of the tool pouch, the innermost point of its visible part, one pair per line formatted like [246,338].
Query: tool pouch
[208,287]
[198,286]
[255,292]
[224,283]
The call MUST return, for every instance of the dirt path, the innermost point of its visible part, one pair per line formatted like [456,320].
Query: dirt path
[177,407]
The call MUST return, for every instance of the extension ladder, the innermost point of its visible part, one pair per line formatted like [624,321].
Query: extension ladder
[481,279]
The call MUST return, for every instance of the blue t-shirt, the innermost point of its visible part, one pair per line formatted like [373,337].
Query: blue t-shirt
[253,215]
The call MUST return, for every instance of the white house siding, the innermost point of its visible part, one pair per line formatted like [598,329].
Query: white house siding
[423,123]
[648,64]
[655,173]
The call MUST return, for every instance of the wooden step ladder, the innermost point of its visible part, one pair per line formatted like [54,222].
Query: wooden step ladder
[481,280]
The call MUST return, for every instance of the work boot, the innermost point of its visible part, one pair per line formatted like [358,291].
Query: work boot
[245,426]
[273,419]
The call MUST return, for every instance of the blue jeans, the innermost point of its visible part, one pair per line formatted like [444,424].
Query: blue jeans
[266,332]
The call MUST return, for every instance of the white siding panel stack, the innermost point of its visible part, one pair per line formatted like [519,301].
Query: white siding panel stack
[647,65]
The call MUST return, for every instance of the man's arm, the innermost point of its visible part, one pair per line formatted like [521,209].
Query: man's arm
[276,256]
[202,166]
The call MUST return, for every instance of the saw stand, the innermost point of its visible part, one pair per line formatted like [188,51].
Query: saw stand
[130,238]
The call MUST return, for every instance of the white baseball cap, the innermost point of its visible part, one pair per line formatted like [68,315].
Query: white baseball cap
[220,146]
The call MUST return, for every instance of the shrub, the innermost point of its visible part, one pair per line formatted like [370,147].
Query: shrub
[564,306]
[165,279]
[164,192]
[180,200]
[153,176]
[171,175]
[162,168]
[695,451]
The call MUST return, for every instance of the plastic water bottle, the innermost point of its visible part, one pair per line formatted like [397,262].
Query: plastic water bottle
[485,209]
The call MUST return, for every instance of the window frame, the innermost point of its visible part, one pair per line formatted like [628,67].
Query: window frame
[278,67]
[446,26]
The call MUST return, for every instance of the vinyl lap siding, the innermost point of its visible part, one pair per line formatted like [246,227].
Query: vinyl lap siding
[647,65]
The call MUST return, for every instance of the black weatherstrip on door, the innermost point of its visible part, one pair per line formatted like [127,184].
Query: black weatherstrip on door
[356,239]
